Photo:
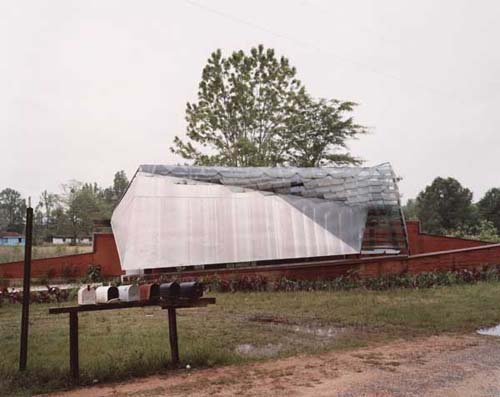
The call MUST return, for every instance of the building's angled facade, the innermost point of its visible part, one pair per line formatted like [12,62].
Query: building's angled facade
[173,216]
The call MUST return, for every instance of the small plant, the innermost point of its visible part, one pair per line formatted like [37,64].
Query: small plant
[94,273]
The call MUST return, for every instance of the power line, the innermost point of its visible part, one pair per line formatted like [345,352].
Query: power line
[277,34]
[308,44]
[372,32]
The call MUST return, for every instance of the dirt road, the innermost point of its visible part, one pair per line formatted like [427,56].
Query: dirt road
[437,366]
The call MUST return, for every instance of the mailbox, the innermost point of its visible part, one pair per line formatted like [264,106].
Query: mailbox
[106,294]
[149,291]
[128,293]
[191,290]
[169,290]
[86,296]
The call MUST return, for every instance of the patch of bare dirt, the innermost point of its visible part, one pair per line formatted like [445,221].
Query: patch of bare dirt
[446,366]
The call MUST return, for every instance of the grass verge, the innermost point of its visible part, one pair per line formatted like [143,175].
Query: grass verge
[241,327]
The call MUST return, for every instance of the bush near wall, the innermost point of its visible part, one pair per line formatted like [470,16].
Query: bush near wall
[351,281]
[260,283]
[51,295]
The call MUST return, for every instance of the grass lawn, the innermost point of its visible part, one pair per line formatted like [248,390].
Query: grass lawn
[241,327]
[12,254]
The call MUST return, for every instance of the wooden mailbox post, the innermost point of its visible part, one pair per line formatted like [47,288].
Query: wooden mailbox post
[170,306]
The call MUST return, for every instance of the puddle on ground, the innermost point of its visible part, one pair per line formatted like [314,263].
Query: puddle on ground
[322,332]
[493,331]
[268,350]
[312,329]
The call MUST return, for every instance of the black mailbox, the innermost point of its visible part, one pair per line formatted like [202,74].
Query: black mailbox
[191,290]
[170,290]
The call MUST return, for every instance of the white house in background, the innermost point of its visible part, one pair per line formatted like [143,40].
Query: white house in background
[60,240]
[11,238]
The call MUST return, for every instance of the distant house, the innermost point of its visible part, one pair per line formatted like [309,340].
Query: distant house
[11,239]
[60,240]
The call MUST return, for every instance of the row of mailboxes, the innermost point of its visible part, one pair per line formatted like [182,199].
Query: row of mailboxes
[144,292]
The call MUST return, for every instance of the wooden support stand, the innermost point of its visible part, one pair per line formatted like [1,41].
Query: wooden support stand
[170,306]
[172,333]
[74,363]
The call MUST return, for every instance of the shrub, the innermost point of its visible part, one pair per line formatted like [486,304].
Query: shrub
[94,273]
[352,280]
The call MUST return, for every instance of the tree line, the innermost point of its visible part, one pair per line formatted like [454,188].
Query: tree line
[445,207]
[70,213]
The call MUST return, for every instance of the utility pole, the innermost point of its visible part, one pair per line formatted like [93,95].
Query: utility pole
[28,242]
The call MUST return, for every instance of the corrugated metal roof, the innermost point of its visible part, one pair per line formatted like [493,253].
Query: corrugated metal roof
[363,186]
[180,215]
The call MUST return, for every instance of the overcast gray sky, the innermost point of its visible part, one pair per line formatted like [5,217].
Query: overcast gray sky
[91,87]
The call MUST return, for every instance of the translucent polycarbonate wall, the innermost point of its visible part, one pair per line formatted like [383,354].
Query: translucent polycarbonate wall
[179,216]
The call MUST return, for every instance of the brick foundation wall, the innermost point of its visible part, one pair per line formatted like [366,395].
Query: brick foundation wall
[429,253]
[467,258]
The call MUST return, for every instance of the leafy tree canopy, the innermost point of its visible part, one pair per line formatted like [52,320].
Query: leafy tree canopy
[253,111]
[12,210]
[445,205]
[83,207]
[113,194]
[69,214]
[484,231]
[120,184]
[489,207]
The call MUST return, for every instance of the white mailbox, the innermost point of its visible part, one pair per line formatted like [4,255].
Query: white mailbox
[128,293]
[86,296]
[106,294]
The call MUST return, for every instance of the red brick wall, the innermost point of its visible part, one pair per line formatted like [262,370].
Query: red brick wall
[104,253]
[467,258]
[421,242]
[427,255]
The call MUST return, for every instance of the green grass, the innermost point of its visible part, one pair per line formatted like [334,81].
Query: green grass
[16,253]
[133,342]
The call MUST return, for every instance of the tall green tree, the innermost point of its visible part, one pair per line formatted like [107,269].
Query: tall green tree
[12,210]
[45,207]
[45,220]
[444,206]
[83,207]
[120,184]
[489,207]
[111,195]
[253,111]
[318,131]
